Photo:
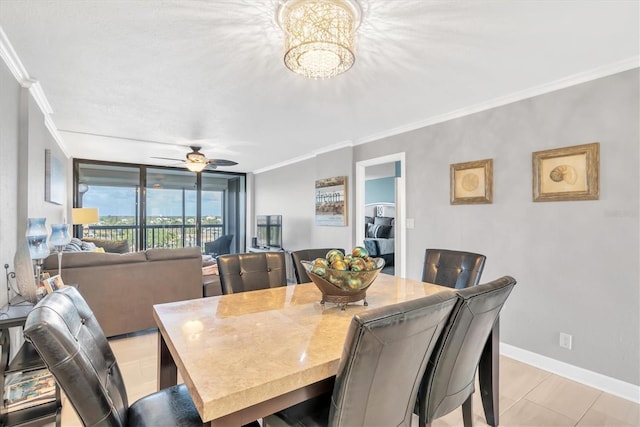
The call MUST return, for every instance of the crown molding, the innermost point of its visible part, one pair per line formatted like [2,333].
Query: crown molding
[56,135]
[575,79]
[338,146]
[572,80]
[10,57]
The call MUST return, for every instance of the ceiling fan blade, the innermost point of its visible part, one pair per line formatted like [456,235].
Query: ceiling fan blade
[168,158]
[222,162]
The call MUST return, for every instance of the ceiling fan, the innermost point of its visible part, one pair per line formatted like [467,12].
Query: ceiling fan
[196,161]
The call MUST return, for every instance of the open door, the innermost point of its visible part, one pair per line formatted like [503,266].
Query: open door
[384,210]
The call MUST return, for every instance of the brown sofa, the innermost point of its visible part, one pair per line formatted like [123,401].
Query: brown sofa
[122,288]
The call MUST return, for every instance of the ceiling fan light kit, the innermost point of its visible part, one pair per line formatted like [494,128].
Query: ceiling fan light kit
[196,166]
[319,35]
[197,162]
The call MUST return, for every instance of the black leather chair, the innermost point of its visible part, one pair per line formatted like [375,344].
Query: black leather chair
[251,271]
[449,379]
[454,269]
[70,341]
[220,246]
[306,255]
[385,355]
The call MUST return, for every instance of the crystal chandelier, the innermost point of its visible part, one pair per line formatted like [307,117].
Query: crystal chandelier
[319,35]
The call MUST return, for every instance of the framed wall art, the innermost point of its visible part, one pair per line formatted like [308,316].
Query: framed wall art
[54,191]
[331,201]
[472,182]
[568,173]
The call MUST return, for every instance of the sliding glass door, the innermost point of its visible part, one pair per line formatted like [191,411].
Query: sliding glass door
[171,210]
[115,191]
[156,207]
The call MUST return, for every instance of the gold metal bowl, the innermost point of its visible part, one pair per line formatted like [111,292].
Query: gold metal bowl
[343,286]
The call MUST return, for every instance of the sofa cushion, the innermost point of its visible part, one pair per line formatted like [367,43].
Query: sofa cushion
[159,254]
[112,246]
[88,259]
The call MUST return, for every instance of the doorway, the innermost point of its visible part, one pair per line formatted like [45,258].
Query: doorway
[397,161]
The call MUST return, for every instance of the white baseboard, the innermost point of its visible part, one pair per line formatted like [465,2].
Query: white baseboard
[592,379]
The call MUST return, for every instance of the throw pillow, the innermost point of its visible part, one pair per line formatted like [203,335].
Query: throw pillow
[89,246]
[378,231]
[383,220]
[112,246]
[75,245]
[382,231]
[371,231]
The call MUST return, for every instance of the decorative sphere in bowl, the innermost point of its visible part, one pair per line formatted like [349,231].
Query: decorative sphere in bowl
[349,281]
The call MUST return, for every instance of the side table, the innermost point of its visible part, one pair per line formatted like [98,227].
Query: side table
[25,360]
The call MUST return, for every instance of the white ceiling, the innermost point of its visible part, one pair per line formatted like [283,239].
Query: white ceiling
[128,80]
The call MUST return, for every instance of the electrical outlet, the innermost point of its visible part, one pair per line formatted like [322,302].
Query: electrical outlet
[566,341]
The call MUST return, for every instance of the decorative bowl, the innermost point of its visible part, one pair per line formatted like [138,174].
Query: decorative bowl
[343,286]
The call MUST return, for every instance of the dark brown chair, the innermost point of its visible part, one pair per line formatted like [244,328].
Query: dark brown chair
[306,255]
[449,379]
[251,271]
[385,355]
[454,269]
[70,341]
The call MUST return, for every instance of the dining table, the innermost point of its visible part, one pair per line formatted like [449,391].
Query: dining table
[247,355]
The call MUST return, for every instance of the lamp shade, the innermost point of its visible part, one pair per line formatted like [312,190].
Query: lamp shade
[60,236]
[37,238]
[85,215]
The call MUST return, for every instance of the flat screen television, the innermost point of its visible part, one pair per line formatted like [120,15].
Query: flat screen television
[269,231]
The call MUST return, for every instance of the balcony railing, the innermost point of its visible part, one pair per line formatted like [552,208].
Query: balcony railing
[159,236]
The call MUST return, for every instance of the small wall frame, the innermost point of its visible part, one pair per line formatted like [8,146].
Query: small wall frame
[568,173]
[472,182]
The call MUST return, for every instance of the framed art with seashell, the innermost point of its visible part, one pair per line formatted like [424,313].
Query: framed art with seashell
[472,182]
[568,173]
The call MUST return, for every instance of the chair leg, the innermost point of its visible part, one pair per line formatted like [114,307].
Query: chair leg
[467,411]
[489,376]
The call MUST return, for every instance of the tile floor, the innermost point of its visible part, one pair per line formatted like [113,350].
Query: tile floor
[528,396]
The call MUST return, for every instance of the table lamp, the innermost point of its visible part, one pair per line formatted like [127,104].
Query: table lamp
[59,238]
[85,216]
[37,241]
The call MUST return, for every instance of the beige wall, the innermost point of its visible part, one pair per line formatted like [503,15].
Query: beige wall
[577,263]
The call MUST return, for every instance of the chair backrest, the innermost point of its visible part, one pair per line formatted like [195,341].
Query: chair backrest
[220,246]
[449,378]
[384,358]
[306,255]
[454,269]
[70,341]
[251,271]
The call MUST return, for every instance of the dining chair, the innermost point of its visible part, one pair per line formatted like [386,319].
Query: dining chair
[65,333]
[251,271]
[383,360]
[306,255]
[220,246]
[454,269]
[448,382]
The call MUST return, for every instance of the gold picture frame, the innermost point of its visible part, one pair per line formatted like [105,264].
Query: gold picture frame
[568,173]
[472,182]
